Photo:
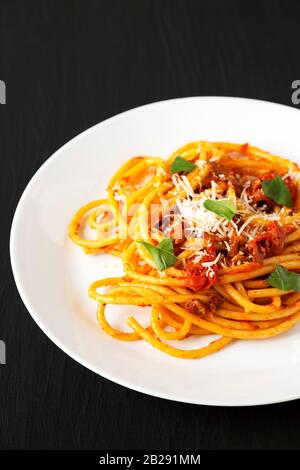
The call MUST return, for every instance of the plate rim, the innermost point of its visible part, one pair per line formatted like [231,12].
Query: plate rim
[35,316]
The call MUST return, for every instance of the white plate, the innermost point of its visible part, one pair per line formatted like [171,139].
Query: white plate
[53,275]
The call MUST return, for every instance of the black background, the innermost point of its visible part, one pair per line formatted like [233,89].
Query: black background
[68,65]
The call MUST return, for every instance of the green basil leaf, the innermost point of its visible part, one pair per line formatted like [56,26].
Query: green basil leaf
[162,254]
[181,164]
[223,208]
[277,190]
[284,279]
[167,245]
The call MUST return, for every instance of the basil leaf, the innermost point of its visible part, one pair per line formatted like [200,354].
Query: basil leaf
[181,164]
[167,245]
[277,190]
[284,279]
[162,254]
[223,208]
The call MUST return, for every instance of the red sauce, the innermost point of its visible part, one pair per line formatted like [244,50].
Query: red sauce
[257,195]
[268,243]
[200,277]
[244,148]
[255,192]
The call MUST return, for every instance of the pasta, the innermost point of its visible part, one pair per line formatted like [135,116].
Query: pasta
[209,239]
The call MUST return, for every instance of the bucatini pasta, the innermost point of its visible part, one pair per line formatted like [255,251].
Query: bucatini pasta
[209,239]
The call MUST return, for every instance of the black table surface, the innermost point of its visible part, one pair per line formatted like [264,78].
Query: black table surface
[68,65]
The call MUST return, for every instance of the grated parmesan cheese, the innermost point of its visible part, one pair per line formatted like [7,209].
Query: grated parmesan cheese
[208,264]
[182,183]
[201,163]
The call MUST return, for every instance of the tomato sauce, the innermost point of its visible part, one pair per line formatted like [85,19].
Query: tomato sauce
[200,277]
